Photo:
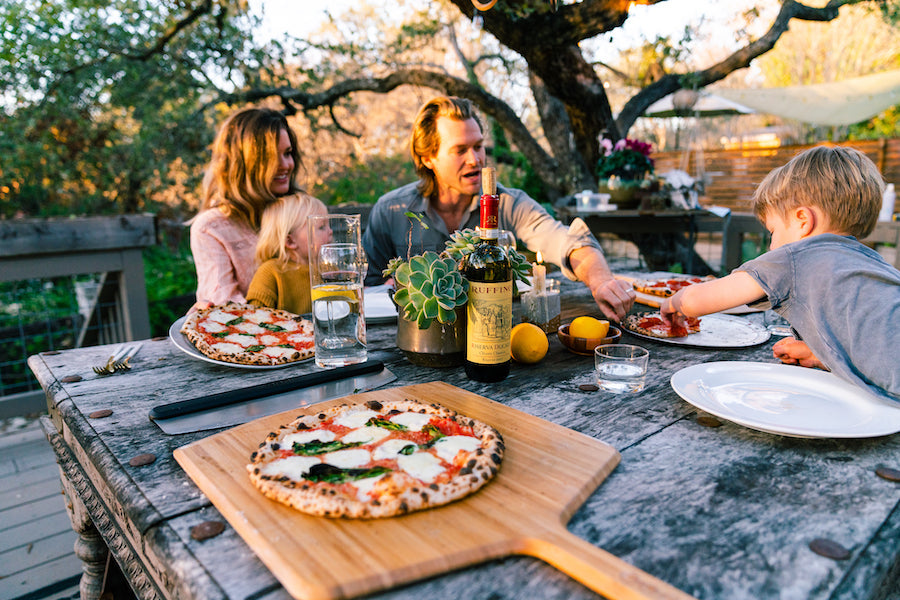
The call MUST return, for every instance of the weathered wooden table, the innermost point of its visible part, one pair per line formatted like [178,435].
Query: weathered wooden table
[718,512]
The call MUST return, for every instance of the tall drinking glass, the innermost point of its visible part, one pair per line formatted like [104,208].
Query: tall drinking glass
[336,270]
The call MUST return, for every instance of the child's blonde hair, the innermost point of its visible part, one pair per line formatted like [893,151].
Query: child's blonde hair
[278,219]
[841,181]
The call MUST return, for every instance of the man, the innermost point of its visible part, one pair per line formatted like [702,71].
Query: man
[447,146]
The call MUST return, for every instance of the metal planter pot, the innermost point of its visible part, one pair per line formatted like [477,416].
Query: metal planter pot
[438,346]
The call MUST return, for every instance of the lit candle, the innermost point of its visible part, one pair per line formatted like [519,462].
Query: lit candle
[539,272]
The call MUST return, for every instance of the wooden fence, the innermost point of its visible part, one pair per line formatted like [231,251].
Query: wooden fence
[732,175]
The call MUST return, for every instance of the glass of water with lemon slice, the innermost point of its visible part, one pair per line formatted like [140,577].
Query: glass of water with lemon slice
[336,271]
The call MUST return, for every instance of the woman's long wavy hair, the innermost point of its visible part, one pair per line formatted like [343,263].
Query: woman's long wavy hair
[244,162]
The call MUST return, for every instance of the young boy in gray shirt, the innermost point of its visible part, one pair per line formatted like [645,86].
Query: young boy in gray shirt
[841,298]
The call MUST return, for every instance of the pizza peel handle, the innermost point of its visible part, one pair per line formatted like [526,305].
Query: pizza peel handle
[177,409]
[597,569]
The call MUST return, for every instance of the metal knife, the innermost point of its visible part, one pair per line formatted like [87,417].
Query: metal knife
[240,406]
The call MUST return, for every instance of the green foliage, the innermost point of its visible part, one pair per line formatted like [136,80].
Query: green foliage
[462,243]
[885,125]
[429,287]
[171,279]
[364,183]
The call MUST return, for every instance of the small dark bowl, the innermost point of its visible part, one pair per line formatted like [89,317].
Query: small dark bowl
[585,346]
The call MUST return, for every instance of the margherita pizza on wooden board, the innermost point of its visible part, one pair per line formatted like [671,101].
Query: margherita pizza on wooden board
[378,459]
[665,287]
[652,324]
[250,335]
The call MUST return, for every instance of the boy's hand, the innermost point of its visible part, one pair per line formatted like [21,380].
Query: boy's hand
[792,351]
[670,314]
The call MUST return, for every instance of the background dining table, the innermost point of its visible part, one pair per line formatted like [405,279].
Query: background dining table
[713,508]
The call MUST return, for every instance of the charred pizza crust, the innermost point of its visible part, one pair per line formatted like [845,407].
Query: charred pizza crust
[666,287]
[651,324]
[250,335]
[431,474]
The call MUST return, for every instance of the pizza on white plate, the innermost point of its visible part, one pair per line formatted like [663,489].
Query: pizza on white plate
[377,459]
[653,325]
[665,287]
[250,335]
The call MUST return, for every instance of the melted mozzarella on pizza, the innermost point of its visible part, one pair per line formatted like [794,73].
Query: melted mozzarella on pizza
[424,466]
[248,327]
[355,419]
[305,437]
[412,420]
[269,340]
[241,340]
[366,435]
[277,352]
[352,458]
[220,316]
[258,316]
[288,325]
[211,326]
[365,486]
[227,348]
[294,467]
[390,449]
[298,338]
[448,447]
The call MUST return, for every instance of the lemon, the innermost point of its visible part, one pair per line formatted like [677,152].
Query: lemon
[588,327]
[528,343]
[331,290]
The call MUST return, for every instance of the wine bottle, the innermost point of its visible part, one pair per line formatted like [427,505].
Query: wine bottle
[489,310]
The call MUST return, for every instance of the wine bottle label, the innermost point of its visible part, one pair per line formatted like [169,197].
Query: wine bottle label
[489,322]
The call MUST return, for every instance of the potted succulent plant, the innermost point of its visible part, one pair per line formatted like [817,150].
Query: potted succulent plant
[431,294]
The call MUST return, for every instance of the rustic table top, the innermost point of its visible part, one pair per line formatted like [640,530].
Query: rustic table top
[717,511]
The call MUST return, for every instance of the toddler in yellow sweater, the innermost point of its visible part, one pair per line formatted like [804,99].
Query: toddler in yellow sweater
[282,252]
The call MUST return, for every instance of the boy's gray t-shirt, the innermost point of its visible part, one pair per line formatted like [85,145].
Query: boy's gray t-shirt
[841,298]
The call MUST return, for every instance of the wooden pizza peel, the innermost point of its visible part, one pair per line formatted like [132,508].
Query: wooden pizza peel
[548,471]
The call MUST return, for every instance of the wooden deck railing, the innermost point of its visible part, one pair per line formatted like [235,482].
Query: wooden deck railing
[111,246]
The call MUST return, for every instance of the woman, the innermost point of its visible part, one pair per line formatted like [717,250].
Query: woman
[254,161]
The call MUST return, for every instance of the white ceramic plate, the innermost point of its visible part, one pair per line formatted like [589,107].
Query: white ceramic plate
[379,307]
[787,400]
[717,331]
[183,344]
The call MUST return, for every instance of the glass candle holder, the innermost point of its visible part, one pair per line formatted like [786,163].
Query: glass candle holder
[542,308]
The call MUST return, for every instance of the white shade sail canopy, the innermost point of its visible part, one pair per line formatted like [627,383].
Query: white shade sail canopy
[706,105]
[836,103]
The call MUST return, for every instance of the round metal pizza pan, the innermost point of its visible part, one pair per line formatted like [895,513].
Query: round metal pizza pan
[182,343]
[716,331]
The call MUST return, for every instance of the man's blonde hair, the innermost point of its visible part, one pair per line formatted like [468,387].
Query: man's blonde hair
[843,182]
[278,220]
[244,162]
[424,140]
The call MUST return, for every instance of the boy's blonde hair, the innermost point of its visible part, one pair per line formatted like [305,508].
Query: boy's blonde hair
[841,181]
[278,219]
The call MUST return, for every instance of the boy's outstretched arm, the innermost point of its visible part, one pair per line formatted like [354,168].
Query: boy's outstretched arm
[712,296]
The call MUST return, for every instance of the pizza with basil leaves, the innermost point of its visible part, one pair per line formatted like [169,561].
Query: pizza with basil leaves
[378,459]
[250,335]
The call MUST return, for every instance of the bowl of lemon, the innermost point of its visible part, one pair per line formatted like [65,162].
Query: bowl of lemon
[584,334]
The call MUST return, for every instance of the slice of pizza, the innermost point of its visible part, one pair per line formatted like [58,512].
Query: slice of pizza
[665,287]
[652,324]
[250,335]
[378,459]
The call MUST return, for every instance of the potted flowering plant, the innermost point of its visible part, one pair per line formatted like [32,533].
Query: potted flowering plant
[624,167]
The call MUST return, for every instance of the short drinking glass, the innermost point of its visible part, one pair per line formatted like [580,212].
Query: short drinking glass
[621,368]
[336,271]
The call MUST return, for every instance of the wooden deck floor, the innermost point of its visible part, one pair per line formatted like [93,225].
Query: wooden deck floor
[37,558]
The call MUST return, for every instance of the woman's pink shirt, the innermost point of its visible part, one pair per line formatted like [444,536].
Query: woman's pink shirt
[224,256]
